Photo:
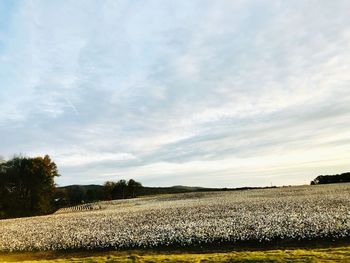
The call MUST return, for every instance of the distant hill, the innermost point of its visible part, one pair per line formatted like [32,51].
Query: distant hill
[85,187]
[192,188]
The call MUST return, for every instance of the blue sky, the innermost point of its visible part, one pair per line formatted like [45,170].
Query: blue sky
[207,93]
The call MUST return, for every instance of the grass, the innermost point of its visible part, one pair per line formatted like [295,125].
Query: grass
[337,254]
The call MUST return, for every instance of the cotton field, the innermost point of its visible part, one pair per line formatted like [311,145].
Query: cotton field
[298,213]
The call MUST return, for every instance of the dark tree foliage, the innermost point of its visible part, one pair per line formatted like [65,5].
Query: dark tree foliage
[61,198]
[78,194]
[330,179]
[27,186]
[108,190]
[133,188]
[121,189]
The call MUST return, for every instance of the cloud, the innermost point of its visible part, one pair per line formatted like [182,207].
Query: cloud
[187,92]
[79,159]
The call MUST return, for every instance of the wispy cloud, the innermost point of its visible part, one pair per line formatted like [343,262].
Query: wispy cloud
[72,106]
[214,93]
[85,158]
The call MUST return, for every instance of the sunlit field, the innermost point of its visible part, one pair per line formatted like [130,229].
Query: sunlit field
[232,218]
[338,254]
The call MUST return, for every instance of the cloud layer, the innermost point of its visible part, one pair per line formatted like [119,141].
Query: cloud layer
[210,93]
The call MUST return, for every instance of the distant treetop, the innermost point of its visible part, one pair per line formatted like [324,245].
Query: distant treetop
[331,179]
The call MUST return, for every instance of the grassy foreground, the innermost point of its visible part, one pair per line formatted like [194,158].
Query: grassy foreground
[339,254]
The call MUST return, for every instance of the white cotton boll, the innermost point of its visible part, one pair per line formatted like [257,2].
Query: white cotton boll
[186,219]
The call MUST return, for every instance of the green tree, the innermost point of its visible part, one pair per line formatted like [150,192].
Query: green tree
[108,188]
[133,187]
[27,186]
[120,189]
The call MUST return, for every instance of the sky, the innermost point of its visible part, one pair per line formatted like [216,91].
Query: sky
[199,93]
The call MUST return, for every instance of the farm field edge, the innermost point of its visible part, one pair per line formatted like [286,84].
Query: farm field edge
[331,254]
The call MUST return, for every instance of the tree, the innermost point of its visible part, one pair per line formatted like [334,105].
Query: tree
[330,179]
[76,194]
[108,188]
[27,186]
[91,195]
[120,190]
[133,187]
[61,198]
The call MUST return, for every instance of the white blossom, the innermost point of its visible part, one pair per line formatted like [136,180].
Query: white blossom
[264,215]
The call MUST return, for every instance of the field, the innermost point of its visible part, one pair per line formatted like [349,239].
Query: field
[339,254]
[229,220]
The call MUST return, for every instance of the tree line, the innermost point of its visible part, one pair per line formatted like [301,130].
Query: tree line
[78,194]
[330,179]
[27,188]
